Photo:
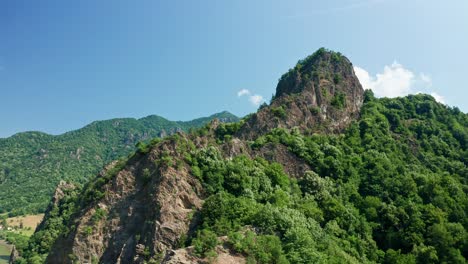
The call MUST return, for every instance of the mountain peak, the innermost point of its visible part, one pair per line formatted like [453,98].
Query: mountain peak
[322,64]
[321,92]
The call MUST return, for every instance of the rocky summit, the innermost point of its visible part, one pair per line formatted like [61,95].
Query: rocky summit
[320,93]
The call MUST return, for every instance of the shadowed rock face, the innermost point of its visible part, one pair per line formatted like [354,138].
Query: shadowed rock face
[149,205]
[146,207]
[321,93]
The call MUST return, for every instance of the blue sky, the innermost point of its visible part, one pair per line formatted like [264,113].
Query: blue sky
[64,64]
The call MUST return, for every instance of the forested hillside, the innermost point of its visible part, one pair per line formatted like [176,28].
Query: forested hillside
[388,184]
[33,163]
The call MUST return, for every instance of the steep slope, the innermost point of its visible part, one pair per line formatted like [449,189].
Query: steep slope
[145,205]
[33,163]
[386,183]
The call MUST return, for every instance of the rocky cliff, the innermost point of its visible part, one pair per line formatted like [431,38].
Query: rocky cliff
[321,93]
[144,210]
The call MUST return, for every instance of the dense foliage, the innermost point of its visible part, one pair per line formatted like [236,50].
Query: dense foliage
[392,189]
[32,163]
[58,223]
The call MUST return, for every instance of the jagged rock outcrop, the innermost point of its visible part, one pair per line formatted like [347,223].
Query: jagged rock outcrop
[146,207]
[321,93]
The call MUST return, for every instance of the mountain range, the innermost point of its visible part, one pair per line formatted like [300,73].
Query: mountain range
[33,163]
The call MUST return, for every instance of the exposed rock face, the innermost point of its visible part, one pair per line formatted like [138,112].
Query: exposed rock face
[321,93]
[147,207]
[171,131]
[292,164]
[224,255]
[186,256]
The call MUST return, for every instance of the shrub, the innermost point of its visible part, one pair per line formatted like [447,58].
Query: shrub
[337,78]
[225,130]
[142,148]
[204,243]
[88,230]
[278,111]
[315,110]
[166,160]
[259,249]
[336,57]
[98,215]
[339,100]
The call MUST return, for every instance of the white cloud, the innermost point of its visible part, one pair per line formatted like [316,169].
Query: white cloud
[364,77]
[439,98]
[426,79]
[243,92]
[396,80]
[256,99]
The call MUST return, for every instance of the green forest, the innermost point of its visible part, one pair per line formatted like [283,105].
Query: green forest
[33,163]
[391,189]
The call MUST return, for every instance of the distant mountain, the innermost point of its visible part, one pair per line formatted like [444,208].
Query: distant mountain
[33,163]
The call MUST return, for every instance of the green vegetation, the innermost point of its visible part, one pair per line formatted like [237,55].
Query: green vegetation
[226,130]
[339,100]
[14,238]
[15,231]
[99,215]
[315,110]
[33,163]
[399,175]
[258,248]
[279,111]
[392,188]
[337,78]
[5,251]
[204,243]
[246,192]
[57,224]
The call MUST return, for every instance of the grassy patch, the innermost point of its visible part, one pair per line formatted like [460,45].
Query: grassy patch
[25,224]
[5,251]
